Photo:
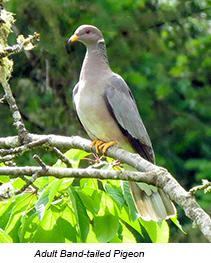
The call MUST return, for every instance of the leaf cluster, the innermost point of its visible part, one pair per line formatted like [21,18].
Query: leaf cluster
[68,210]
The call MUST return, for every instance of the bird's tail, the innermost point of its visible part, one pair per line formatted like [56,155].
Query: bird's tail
[151,202]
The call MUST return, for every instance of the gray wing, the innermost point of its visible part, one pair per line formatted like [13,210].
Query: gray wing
[122,107]
[75,90]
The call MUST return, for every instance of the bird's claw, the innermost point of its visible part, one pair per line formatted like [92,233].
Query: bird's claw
[97,144]
[101,145]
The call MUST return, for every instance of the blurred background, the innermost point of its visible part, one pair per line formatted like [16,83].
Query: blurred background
[161,48]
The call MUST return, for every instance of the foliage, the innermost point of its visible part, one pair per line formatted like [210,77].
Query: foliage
[161,48]
[70,210]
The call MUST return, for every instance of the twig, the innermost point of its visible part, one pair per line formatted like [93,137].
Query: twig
[35,175]
[19,47]
[28,183]
[22,149]
[23,177]
[41,163]
[17,151]
[206,186]
[62,157]
[17,32]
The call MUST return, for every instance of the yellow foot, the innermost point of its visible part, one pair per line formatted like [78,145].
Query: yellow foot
[104,146]
[97,144]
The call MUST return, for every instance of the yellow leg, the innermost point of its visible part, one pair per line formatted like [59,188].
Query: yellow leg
[97,144]
[104,146]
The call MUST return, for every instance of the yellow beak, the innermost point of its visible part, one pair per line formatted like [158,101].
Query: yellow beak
[73,38]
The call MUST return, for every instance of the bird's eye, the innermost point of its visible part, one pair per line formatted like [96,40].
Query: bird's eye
[88,31]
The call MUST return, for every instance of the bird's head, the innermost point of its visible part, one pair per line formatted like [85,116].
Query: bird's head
[86,34]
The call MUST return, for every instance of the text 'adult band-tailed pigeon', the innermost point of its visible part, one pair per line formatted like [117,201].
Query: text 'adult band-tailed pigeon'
[108,112]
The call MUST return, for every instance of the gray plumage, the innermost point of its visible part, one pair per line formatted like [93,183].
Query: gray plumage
[107,110]
[122,106]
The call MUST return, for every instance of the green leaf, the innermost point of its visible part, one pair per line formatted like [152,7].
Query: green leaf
[22,202]
[91,237]
[28,228]
[177,223]
[47,230]
[18,183]
[87,201]
[115,239]
[68,213]
[127,236]
[87,183]
[65,183]
[4,205]
[107,205]
[97,197]
[55,229]
[5,211]
[4,179]
[82,218]
[66,230]
[4,237]
[158,231]
[57,225]
[43,182]
[116,194]
[129,200]
[106,227]
[46,196]
[134,224]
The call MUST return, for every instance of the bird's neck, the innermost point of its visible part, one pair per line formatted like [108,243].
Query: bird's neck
[95,61]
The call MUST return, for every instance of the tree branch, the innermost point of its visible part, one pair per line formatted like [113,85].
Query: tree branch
[58,172]
[23,148]
[152,173]
[23,44]
[206,186]
[22,132]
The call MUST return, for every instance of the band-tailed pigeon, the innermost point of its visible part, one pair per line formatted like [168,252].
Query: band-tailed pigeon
[107,110]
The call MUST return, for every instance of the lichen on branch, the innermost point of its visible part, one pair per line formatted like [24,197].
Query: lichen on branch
[6,66]
[6,22]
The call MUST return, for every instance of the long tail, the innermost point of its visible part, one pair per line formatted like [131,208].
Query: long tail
[151,202]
